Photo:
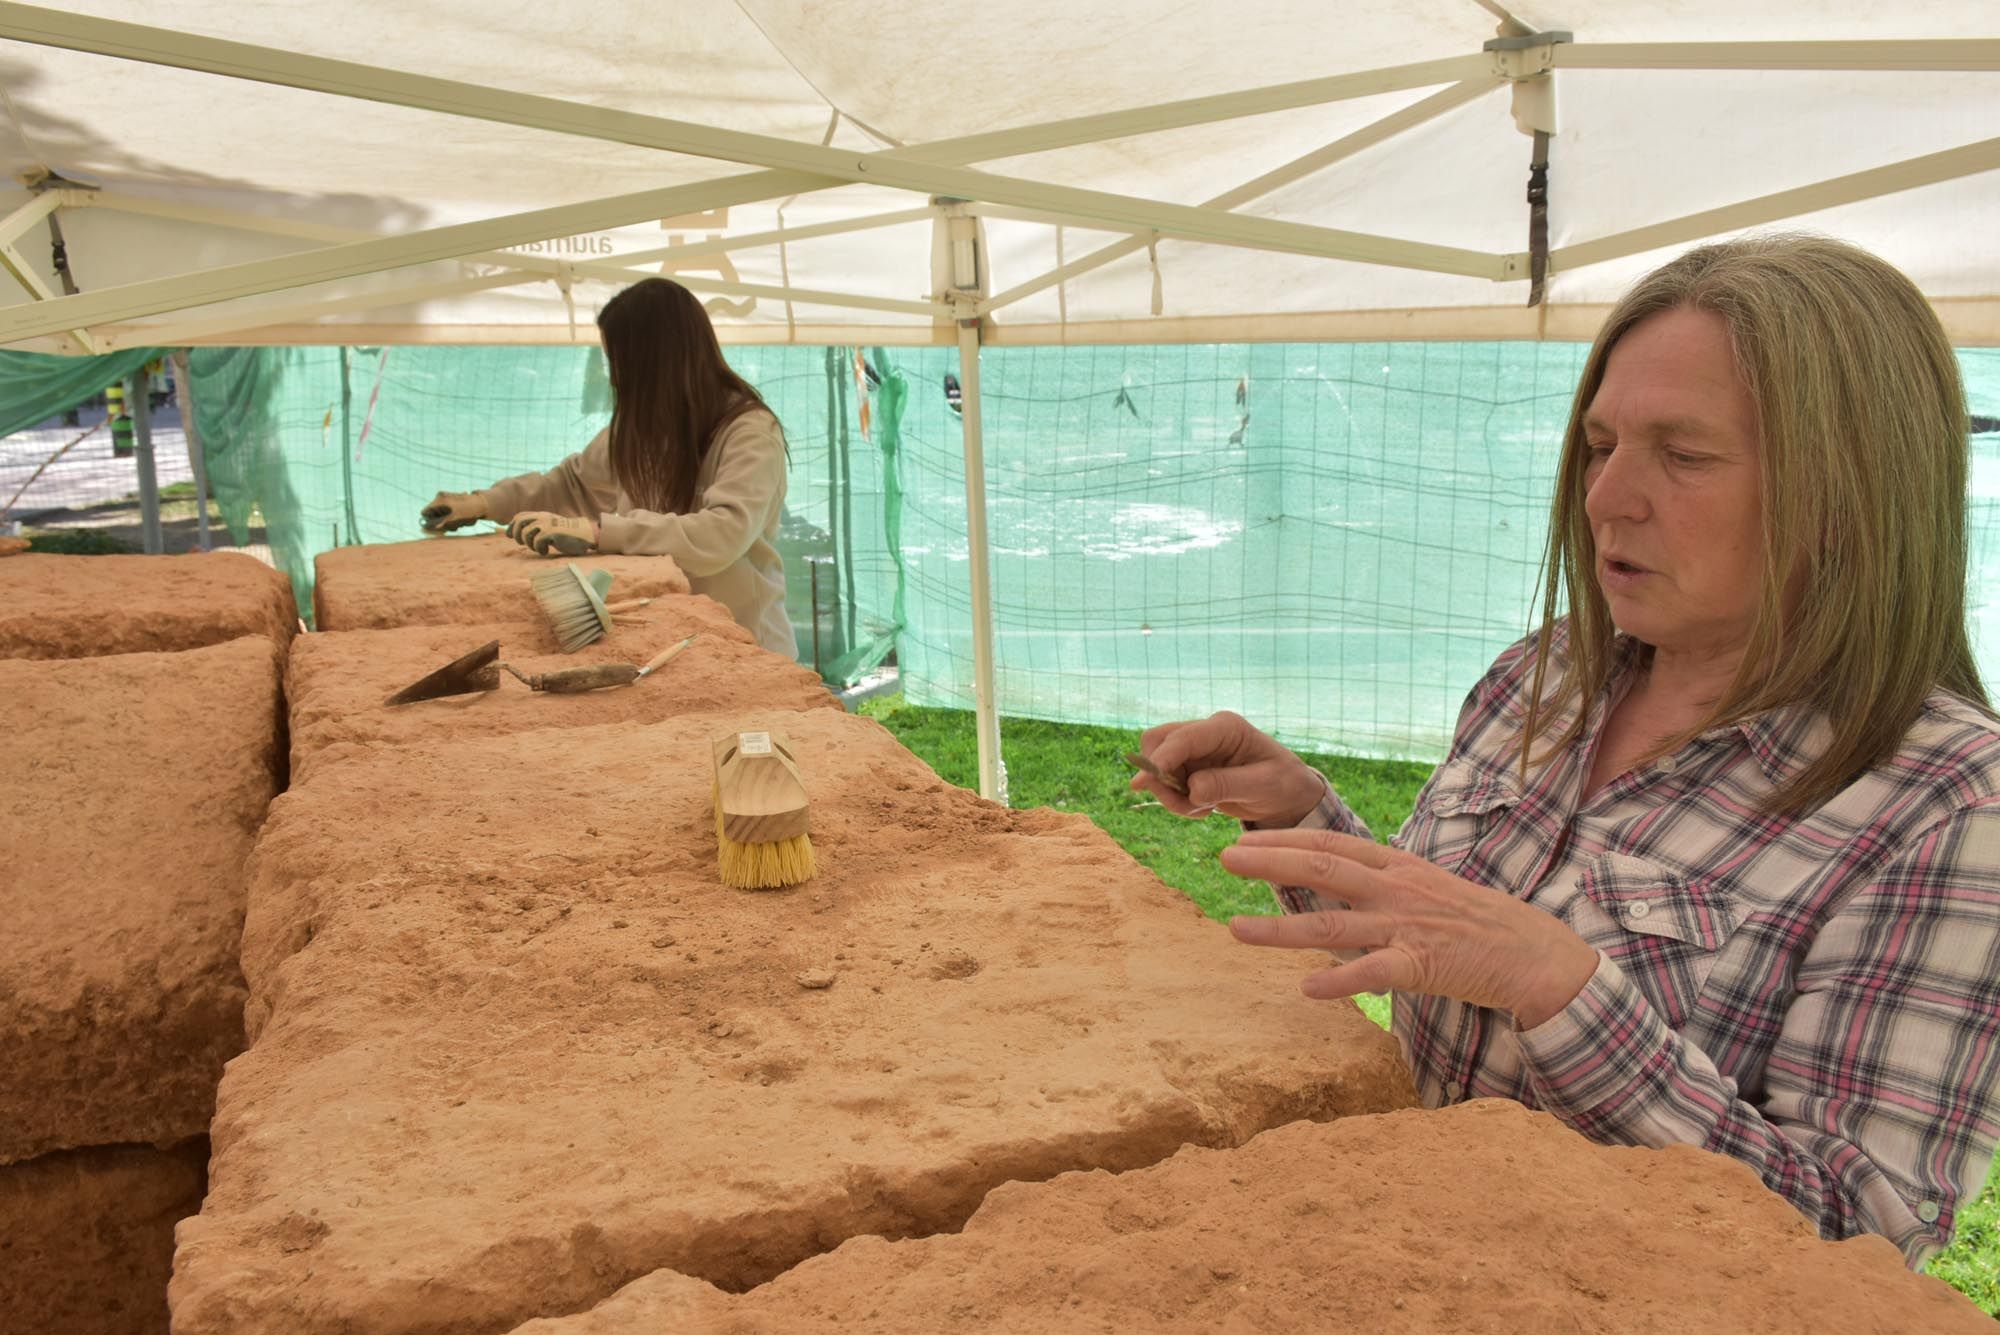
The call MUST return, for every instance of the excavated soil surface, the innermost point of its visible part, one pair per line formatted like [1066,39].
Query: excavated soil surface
[458,581]
[518,1046]
[87,1238]
[336,683]
[83,606]
[139,785]
[1481,1218]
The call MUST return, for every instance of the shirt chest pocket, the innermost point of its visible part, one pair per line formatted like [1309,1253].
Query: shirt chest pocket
[1466,800]
[1665,930]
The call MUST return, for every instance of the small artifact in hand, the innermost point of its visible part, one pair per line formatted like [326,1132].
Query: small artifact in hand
[1160,776]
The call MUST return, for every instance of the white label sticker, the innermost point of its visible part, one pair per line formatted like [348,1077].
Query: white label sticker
[754,743]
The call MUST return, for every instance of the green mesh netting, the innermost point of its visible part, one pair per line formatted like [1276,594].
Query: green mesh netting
[35,386]
[1332,539]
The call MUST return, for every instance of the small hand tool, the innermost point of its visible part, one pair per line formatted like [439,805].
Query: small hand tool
[1137,761]
[464,675]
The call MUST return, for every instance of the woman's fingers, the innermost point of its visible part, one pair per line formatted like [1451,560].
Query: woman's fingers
[1315,931]
[1451,937]
[1379,971]
[1169,748]
[1246,790]
[1178,803]
[1227,765]
[1385,968]
[1350,846]
[1331,874]
[526,529]
[1179,748]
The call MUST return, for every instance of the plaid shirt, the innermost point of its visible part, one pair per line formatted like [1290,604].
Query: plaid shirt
[1817,996]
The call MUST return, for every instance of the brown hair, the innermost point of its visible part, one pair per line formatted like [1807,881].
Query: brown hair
[1862,425]
[672,392]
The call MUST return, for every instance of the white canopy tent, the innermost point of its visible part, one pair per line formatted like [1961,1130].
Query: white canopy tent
[948,172]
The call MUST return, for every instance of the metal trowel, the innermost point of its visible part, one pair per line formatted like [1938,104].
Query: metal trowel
[476,671]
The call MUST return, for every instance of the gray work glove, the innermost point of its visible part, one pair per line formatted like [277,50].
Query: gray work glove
[454,509]
[553,534]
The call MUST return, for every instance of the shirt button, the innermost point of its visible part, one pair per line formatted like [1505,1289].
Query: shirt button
[1638,910]
[1928,1212]
[1453,1092]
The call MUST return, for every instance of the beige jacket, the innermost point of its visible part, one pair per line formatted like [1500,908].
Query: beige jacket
[727,544]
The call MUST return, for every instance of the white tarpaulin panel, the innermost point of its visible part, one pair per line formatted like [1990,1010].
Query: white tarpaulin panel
[186,168]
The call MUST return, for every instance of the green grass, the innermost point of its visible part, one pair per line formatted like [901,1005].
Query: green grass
[1075,767]
[1972,1263]
[76,542]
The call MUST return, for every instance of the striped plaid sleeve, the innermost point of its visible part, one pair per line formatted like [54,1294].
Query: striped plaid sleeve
[1881,1103]
[1332,813]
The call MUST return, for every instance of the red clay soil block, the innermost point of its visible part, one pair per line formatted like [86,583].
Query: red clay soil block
[84,606]
[458,581]
[523,1046]
[121,887]
[1481,1218]
[87,1237]
[336,683]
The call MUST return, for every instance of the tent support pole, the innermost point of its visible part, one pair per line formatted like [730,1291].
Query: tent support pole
[992,773]
[14,265]
[1909,174]
[197,461]
[139,403]
[21,219]
[960,274]
[1388,127]
[159,333]
[541,265]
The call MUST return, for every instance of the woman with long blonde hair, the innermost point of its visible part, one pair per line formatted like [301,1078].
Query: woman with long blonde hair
[1715,857]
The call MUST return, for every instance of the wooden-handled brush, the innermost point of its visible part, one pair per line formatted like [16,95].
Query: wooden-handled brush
[760,812]
[574,603]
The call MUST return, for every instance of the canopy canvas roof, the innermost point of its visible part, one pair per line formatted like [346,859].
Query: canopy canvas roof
[1061,172]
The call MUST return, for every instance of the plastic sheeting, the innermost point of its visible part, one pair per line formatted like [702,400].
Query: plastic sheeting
[35,387]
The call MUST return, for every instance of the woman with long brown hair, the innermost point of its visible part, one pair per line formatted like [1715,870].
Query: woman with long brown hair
[1715,857]
[692,467]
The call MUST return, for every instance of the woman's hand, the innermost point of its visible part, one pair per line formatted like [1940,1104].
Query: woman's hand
[546,532]
[1425,930]
[1228,766]
[453,509]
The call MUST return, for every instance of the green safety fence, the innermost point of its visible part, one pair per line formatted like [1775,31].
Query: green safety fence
[1333,539]
[35,386]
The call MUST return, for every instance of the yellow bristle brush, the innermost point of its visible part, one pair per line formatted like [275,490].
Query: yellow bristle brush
[574,604]
[760,812]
